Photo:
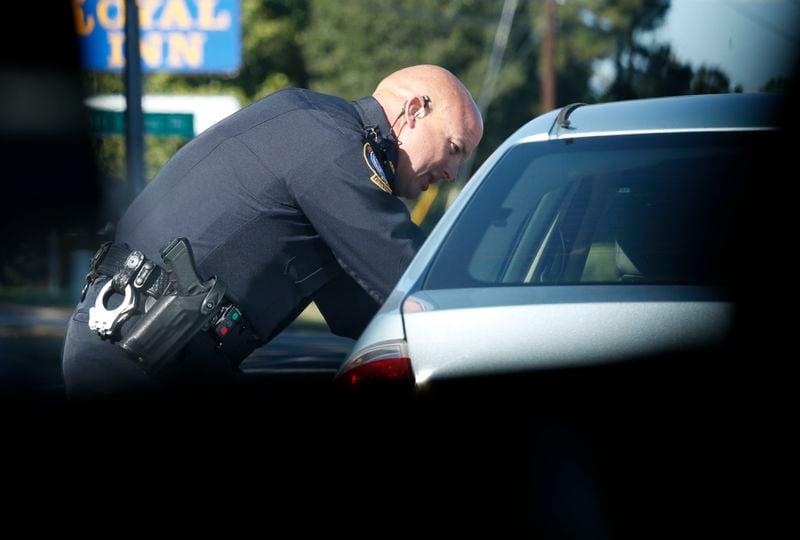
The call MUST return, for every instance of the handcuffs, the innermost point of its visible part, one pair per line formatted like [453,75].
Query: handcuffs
[104,321]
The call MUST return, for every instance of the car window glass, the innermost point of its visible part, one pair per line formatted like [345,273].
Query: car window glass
[625,209]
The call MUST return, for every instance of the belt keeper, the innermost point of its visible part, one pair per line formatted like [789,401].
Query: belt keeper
[95,261]
[143,275]
[123,277]
[99,255]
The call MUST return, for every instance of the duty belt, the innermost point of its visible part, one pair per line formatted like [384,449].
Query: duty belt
[121,264]
[175,304]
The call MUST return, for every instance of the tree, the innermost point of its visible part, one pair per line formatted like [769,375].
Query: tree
[271,55]
[777,84]
[662,75]
[625,20]
[346,47]
[350,46]
[710,80]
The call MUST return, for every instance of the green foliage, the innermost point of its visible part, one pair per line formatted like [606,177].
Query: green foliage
[776,84]
[710,80]
[346,47]
[350,46]
[110,152]
[662,75]
[271,55]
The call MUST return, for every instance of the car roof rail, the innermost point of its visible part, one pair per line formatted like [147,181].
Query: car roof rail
[563,116]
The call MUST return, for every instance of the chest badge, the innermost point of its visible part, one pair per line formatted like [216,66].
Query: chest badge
[378,176]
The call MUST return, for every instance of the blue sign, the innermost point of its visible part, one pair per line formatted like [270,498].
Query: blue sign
[177,36]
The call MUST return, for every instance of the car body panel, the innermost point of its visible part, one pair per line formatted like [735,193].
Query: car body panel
[682,113]
[545,326]
[482,331]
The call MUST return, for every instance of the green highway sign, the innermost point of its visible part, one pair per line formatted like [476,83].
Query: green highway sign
[159,124]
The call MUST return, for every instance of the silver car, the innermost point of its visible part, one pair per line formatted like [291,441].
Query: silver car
[595,234]
[560,360]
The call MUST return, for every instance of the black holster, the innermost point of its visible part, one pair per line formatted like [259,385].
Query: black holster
[188,307]
[181,305]
[170,324]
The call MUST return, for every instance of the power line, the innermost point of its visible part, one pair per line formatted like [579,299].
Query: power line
[486,94]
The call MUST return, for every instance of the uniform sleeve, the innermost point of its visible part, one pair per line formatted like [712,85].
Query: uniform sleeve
[368,229]
[347,308]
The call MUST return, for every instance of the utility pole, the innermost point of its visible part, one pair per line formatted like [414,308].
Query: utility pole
[134,121]
[547,60]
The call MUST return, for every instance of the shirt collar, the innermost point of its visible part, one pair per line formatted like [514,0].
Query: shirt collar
[372,114]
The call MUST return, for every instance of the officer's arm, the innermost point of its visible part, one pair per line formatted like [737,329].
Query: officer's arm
[369,230]
[347,308]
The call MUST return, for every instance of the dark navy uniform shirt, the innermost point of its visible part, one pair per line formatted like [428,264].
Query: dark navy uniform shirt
[286,202]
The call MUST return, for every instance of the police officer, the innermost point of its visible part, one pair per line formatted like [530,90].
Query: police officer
[291,200]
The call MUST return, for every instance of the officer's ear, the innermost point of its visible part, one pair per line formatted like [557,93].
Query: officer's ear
[415,109]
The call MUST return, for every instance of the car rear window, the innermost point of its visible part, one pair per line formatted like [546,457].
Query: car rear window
[623,209]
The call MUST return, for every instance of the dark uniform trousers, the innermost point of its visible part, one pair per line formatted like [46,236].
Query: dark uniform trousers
[288,201]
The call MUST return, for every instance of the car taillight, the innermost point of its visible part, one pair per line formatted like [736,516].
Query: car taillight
[386,362]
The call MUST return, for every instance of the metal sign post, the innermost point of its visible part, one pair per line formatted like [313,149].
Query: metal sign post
[178,36]
[134,129]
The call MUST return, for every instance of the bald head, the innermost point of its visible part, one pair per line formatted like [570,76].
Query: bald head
[435,134]
[444,89]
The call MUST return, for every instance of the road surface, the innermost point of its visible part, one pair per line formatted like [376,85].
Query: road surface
[31,339]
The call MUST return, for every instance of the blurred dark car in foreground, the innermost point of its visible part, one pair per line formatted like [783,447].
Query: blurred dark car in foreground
[569,325]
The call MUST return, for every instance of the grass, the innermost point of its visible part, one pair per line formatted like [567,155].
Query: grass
[37,296]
